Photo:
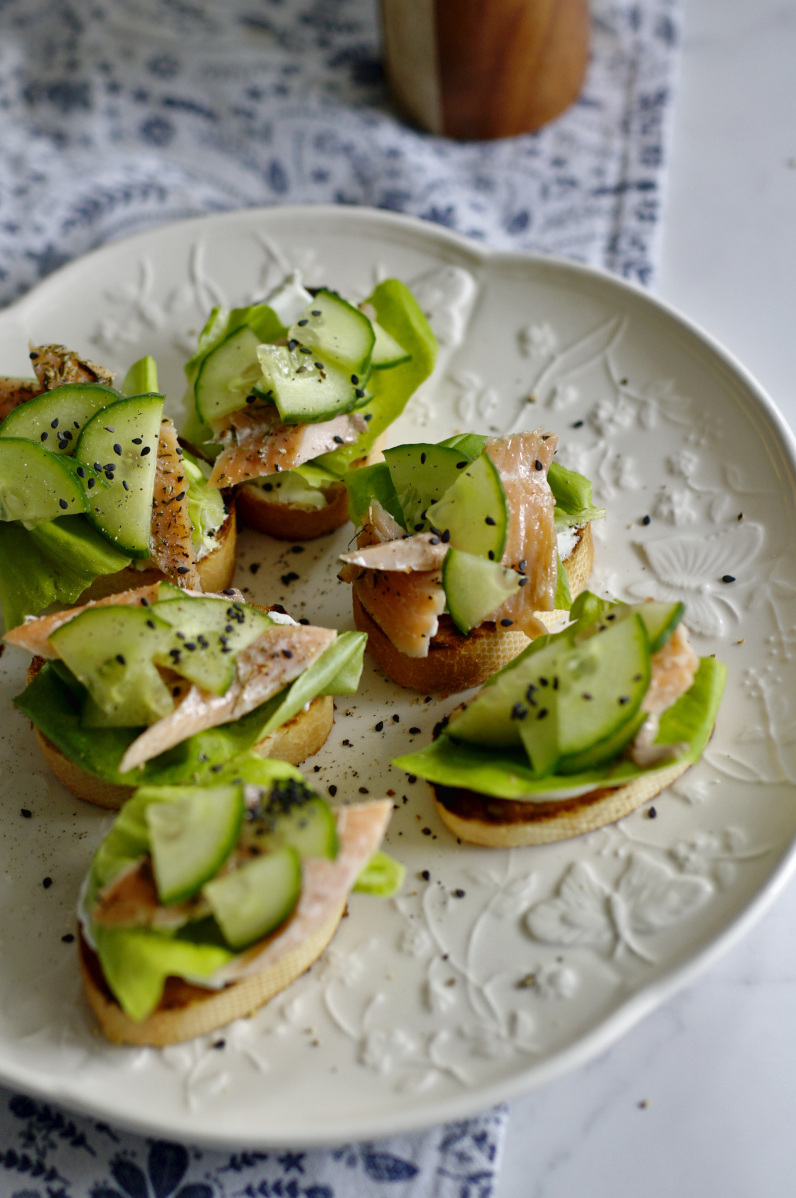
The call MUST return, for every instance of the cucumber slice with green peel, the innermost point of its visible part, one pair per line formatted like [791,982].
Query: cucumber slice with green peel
[56,417]
[475,587]
[254,900]
[38,485]
[539,729]
[122,442]
[227,375]
[304,388]
[421,475]
[660,620]
[309,826]
[191,837]
[142,377]
[659,617]
[386,350]
[598,687]
[587,689]
[496,713]
[110,650]
[603,750]
[336,333]
[474,511]
[206,635]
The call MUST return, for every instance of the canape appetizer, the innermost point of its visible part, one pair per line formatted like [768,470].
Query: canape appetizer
[457,560]
[285,397]
[586,725]
[159,685]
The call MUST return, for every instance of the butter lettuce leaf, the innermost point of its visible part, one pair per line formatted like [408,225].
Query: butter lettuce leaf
[52,563]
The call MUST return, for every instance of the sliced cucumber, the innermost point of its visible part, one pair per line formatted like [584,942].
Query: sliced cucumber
[337,333]
[36,484]
[496,713]
[474,511]
[227,375]
[191,837]
[206,634]
[602,750]
[659,618]
[122,442]
[475,587]
[386,350]
[254,900]
[56,417]
[306,824]
[601,684]
[142,377]
[110,650]
[567,702]
[421,474]
[305,389]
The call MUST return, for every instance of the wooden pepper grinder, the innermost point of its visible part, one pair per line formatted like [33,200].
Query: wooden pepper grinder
[478,69]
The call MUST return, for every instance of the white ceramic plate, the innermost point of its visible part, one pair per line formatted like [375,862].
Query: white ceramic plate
[494,971]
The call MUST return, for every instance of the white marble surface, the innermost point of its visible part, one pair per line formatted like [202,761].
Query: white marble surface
[700,1098]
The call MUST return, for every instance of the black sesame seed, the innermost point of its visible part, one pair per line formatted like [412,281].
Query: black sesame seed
[506,622]
[183,569]
[125,484]
[120,659]
[117,449]
[63,504]
[379,726]
[541,713]
[578,424]
[54,423]
[425,875]
[137,440]
[333,790]
[728,578]
[355,379]
[145,451]
[67,938]
[46,883]
[518,712]
[44,436]
[422,459]
[523,581]
[301,323]
[538,465]
[461,465]
[490,520]
[623,699]
[652,813]
[446,536]
[25,812]
[646,520]
[81,472]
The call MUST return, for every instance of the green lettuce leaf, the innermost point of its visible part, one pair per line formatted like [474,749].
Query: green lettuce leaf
[573,496]
[52,563]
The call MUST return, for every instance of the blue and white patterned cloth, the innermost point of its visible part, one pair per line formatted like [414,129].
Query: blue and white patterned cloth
[121,115]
